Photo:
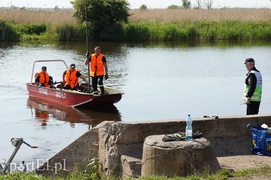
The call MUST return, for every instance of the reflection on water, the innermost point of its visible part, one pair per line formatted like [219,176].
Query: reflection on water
[45,111]
[160,81]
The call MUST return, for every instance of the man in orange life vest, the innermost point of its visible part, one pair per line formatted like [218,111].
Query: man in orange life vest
[98,69]
[70,78]
[42,78]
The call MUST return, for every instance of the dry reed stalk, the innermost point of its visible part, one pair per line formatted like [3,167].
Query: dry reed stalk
[174,15]
[51,17]
[64,16]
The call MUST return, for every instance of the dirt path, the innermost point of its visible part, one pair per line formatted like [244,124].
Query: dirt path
[235,154]
[242,162]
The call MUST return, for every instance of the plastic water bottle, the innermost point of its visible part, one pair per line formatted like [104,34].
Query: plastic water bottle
[188,129]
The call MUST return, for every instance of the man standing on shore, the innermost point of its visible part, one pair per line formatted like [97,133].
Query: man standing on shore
[253,87]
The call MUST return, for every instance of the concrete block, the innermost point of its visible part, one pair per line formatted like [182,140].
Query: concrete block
[131,167]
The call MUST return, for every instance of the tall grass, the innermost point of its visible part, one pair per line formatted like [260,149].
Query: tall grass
[68,32]
[197,30]
[58,24]
[166,16]
[147,25]
[49,17]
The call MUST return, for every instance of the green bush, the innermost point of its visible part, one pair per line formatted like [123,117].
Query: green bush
[136,33]
[69,32]
[32,28]
[115,33]
[8,31]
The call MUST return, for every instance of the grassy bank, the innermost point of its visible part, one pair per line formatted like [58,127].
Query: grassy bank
[145,25]
[252,173]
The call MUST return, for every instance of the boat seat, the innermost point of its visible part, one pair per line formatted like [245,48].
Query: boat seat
[60,86]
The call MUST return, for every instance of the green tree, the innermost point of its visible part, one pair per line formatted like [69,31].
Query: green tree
[102,15]
[207,3]
[186,4]
[56,8]
[143,7]
[173,6]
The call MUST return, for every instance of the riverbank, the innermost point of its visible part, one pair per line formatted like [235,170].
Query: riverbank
[146,25]
[118,145]
[112,142]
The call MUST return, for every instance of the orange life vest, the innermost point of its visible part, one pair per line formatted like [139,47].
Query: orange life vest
[44,78]
[43,115]
[96,65]
[71,78]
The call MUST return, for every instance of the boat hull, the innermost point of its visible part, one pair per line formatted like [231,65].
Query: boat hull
[72,98]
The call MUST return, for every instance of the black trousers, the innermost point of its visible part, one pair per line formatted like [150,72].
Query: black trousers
[77,87]
[97,80]
[253,108]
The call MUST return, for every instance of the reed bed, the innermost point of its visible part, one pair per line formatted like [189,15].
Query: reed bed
[174,15]
[49,17]
[145,25]
[65,16]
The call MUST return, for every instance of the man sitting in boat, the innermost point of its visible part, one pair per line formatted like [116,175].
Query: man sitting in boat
[70,78]
[42,78]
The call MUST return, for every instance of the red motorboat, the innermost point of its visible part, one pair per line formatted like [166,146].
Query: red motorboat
[71,98]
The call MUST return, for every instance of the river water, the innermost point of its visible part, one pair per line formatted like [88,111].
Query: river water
[159,80]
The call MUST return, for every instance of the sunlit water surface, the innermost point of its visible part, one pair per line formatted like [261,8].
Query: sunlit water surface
[159,81]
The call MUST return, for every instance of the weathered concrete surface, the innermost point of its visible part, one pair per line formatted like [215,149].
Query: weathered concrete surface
[110,141]
[177,158]
[78,153]
[131,166]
